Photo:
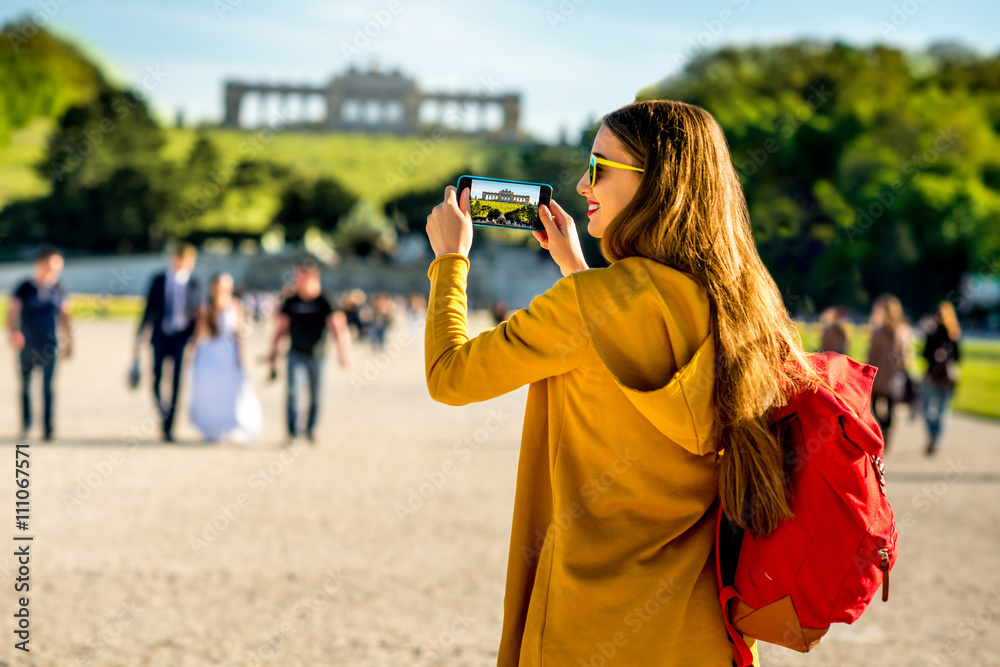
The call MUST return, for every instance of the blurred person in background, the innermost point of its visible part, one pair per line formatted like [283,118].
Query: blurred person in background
[418,305]
[382,312]
[38,310]
[499,311]
[305,317]
[351,303]
[224,405]
[834,336]
[171,313]
[877,315]
[889,350]
[942,352]
[255,304]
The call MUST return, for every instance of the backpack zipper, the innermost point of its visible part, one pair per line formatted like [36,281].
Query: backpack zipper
[879,466]
[884,566]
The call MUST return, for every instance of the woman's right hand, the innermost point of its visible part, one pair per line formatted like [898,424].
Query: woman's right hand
[561,239]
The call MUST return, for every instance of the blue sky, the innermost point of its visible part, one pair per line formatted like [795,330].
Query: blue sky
[572,60]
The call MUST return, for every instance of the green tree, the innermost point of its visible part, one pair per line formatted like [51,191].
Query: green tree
[109,185]
[93,140]
[320,204]
[409,210]
[330,202]
[866,170]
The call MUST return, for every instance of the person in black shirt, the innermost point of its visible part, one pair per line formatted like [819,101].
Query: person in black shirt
[38,308]
[305,317]
[942,352]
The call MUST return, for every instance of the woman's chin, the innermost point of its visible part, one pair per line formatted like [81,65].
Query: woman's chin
[595,228]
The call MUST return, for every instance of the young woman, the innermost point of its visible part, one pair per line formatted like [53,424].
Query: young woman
[224,405]
[941,350]
[651,382]
[889,350]
[834,336]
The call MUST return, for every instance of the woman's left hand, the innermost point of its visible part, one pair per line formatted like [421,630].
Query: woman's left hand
[449,226]
[560,238]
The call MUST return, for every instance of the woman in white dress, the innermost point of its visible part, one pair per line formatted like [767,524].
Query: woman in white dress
[224,405]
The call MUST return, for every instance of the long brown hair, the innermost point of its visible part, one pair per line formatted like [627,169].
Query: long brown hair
[690,213]
[214,307]
[893,317]
[949,320]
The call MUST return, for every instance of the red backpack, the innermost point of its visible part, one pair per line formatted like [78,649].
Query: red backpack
[824,564]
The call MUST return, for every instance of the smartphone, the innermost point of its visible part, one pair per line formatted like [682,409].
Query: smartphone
[500,203]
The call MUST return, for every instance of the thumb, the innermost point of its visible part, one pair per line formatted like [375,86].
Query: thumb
[463,201]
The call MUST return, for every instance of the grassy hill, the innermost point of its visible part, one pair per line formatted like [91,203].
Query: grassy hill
[47,74]
[26,146]
[376,168]
[373,166]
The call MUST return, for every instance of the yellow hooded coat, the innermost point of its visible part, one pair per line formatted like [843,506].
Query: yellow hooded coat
[611,556]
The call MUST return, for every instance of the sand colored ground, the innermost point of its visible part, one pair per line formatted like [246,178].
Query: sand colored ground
[146,554]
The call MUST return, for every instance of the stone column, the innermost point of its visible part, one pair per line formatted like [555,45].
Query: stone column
[334,104]
[511,118]
[411,112]
[233,99]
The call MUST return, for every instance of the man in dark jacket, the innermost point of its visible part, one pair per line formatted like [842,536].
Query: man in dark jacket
[171,313]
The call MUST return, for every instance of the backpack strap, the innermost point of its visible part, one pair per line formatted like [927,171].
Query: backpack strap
[742,655]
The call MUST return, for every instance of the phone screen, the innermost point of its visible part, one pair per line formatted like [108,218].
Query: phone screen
[505,203]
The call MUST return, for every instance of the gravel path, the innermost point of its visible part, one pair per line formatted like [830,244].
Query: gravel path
[386,543]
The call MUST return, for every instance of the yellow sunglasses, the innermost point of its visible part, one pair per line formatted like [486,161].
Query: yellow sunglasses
[594,161]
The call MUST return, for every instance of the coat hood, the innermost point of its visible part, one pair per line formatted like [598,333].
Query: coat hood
[649,324]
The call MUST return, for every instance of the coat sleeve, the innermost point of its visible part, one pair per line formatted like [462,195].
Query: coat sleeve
[545,339]
[147,312]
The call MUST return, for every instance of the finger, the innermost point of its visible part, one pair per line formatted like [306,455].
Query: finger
[465,200]
[550,224]
[449,194]
[559,212]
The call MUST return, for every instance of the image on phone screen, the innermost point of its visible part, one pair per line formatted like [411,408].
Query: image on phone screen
[505,203]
